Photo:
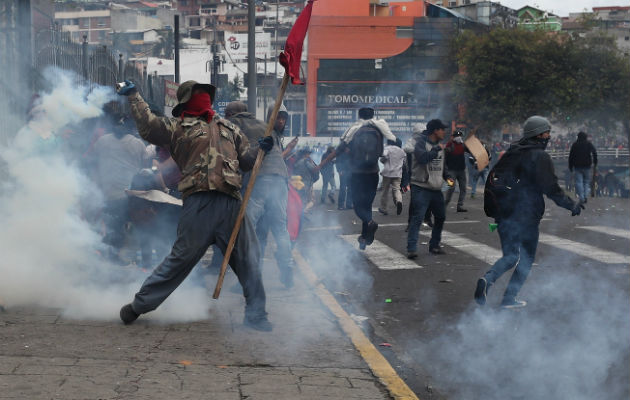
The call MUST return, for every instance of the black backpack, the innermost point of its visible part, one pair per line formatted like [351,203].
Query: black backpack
[502,186]
[366,148]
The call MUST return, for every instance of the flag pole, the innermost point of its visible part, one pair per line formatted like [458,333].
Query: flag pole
[250,186]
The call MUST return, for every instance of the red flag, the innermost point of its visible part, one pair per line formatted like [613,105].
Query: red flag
[292,55]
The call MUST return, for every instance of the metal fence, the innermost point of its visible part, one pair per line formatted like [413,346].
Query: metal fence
[91,65]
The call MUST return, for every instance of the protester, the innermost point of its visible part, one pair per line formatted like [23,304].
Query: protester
[514,198]
[409,149]
[394,160]
[475,175]
[209,151]
[581,157]
[117,157]
[364,140]
[328,177]
[342,163]
[612,183]
[428,172]
[270,193]
[455,159]
[307,169]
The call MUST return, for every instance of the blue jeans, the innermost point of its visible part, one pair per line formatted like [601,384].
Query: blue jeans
[423,200]
[583,182]
[269,199]
[519,241]
[363,193]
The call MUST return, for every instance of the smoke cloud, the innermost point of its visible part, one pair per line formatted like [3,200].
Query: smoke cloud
[51,256]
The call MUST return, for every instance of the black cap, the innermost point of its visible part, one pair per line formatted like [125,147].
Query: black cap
[434,125]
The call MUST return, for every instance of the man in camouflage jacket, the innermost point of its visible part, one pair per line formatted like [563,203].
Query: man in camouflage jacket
[209,151]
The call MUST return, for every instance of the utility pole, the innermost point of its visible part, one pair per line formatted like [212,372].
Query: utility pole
[275,39]
[176,38]
[251,56]
[214,79]
[24,27]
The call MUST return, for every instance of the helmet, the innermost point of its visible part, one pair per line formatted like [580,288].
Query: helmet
[535,125]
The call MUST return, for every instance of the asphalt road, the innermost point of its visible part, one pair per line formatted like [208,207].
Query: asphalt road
[421,314]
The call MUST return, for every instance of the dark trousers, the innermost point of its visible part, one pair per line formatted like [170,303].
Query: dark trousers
[207,218]
[345,191]
[519,241]
[327,180]
[423,200]
[363,193]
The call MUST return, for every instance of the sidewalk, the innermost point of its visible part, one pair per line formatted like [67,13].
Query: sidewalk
[307,356]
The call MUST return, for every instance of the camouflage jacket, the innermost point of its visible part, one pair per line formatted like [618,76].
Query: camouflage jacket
[209,155]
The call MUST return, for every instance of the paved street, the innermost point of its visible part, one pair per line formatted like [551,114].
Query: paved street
[419,314]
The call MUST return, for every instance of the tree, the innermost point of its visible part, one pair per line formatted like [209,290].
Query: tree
[233,90]
[509,75]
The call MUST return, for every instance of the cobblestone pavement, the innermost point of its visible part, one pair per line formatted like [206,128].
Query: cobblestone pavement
[44,355]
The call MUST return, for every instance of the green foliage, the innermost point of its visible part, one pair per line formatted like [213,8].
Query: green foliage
[510,75]
[233,90]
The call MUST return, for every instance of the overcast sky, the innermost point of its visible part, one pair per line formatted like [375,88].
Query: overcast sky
[563,7]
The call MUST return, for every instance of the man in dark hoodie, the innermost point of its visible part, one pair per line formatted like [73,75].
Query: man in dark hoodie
[428,172]
[518,214]
[581,157]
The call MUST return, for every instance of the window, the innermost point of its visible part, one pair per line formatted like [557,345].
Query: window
[101,22]
[85,22]
[452,3]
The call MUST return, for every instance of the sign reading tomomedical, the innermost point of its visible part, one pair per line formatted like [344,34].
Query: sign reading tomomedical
[236,45]
[401,104]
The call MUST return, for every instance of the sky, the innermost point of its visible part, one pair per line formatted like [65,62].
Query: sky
[563,7]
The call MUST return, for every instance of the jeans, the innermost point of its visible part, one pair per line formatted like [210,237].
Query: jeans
[474,178]
[460,177]
[363,193]
[519,241]
[583,182]
[345,192]
[206,218]
[269,199]
[326,181]
[423,200]
[392,184]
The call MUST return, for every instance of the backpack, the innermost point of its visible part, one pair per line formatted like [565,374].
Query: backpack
[502,186]
[366,148]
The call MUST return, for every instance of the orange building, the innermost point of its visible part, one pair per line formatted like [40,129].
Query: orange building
[391,57]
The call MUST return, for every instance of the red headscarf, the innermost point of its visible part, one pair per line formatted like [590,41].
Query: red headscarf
[199,105]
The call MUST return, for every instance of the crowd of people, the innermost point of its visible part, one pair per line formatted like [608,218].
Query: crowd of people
[182,192]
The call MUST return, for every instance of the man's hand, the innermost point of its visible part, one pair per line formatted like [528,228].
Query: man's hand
[128,89]
[577,208]
[265,143]
[441,146]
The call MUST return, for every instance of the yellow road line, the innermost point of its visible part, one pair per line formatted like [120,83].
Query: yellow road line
[397,388]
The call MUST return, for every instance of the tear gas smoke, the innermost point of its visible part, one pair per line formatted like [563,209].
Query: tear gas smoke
[50,254]
[570,342]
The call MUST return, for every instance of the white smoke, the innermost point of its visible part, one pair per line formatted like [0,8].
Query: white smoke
[50,255]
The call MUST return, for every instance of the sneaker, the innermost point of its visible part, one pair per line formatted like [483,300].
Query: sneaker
[412,255]
[331,197]
[437,251]
[384,212]
[428,222]
[398,208]
[481,291]
[340,208]
[362,243]
[372,227]
[128,315]
[258,322]
[513,303]
[461,209]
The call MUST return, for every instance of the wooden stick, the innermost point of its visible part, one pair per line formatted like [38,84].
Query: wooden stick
[250,186]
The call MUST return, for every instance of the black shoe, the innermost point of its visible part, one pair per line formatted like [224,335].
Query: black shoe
[331,197]
[461,209]
[384,212]
[372,227]
[438,251]
[412,255]
[398,208]
[428,222]
[481,291]
[127,314]
[340,208]
[258,322]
